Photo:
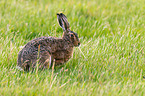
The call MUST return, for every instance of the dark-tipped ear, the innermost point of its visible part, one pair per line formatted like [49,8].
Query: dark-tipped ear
[62,20]
[65,21]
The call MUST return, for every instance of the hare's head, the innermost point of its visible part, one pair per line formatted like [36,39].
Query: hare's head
[68,35]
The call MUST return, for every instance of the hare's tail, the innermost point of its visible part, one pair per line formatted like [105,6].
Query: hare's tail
[19,68]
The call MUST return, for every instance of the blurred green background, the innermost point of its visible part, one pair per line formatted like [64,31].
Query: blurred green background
[110,60]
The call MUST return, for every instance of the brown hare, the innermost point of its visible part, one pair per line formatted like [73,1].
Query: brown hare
[46,50]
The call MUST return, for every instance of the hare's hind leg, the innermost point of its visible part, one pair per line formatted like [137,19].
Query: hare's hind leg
[26,65]
[46,61]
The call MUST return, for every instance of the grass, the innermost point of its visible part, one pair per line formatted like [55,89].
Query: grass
[112,35]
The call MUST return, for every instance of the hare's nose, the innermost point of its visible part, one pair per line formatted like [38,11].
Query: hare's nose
[78,43]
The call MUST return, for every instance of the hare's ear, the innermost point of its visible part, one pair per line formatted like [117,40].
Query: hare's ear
[65,20]
[62,20]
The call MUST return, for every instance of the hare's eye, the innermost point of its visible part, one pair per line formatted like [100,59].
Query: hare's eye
[72,35]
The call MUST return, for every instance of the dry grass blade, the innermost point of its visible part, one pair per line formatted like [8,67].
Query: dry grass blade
[64,84]
[37,64]
[51,82]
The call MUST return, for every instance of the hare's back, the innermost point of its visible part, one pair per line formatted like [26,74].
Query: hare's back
[41,41]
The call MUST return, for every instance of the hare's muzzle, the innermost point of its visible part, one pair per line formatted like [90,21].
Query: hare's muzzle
[79,44]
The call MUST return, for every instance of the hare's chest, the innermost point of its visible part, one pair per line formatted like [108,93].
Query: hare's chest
[62,56]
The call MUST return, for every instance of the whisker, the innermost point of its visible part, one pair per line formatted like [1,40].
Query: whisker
[82,53]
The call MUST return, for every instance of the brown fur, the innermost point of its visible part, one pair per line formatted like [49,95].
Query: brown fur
[45,49]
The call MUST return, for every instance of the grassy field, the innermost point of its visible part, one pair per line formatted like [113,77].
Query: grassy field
[112,35]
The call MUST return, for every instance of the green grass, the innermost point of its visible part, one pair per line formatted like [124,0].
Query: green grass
[112,35]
